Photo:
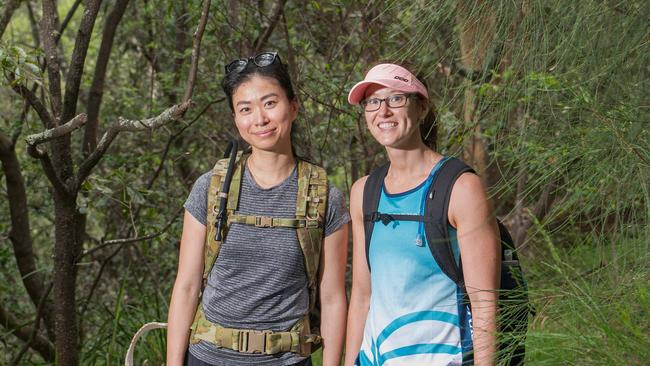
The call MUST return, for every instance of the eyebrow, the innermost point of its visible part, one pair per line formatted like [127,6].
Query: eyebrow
[262,98]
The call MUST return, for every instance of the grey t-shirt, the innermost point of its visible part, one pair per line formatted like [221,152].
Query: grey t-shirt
[259,279]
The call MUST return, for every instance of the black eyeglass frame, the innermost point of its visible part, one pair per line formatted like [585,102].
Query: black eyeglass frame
[240,64]
[364,103]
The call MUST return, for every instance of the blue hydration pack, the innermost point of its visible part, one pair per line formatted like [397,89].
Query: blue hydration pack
[514,306]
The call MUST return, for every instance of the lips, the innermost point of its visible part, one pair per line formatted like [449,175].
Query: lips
[264,133]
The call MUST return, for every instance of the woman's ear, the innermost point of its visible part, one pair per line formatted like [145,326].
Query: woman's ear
[295,107]
[424,109]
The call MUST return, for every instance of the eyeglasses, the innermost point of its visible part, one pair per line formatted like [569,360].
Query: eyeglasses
[393,101]
[261,60]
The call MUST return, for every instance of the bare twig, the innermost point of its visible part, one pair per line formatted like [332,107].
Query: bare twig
[329,105]
[276,13]
[174,137]
[66,21]
[196,51]
[108,243]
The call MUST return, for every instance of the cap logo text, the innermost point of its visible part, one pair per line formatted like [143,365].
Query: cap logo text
[401,78]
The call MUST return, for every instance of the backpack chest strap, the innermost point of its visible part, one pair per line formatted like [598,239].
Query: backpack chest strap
[268,221]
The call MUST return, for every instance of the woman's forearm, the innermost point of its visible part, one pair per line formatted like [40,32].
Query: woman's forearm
[357,314]
[181,314]
[484,305]
[333,317]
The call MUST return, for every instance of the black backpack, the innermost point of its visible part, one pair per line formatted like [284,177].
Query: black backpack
[514,307]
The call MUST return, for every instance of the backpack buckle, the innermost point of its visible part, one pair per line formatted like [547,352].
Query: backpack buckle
[253,341]
[263,221]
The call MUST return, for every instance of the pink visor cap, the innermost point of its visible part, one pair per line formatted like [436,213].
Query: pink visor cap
[390,76]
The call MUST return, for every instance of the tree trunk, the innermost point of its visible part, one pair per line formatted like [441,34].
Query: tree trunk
[476,23]
[67,247]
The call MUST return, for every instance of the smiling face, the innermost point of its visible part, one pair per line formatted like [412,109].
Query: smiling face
[394,127]
[263,114]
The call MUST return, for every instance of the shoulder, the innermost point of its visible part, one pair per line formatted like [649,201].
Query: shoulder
[357,187]
[202,182]
[334,194]
[468,199]
[356,194]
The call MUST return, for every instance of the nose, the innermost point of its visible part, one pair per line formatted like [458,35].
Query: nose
[260,117]
[384,110]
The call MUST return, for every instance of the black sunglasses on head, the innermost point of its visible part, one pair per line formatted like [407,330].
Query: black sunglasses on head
[261,60]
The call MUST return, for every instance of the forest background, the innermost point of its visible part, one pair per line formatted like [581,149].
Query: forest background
[100,146]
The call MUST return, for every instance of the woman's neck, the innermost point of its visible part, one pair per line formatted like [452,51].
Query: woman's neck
[409,167]
[270,168]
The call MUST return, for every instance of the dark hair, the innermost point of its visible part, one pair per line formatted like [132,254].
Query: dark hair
[277,70]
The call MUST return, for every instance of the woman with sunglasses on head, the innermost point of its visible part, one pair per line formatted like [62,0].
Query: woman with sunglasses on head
[254,306]
[404,310]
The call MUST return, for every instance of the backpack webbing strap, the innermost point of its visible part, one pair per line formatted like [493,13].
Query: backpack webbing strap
[268,221]
[371,195]
[436,207]
[311,204]
[251,340]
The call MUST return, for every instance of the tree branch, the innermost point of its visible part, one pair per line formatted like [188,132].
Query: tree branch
[34,101]
[39,343]
[196,50]
[276,13]
[78,59]
[68,17]
[20,233]
[10,8]
[172,114]
[48,135]
[97,86]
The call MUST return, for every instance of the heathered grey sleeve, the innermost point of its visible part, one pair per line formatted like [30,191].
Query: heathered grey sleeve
[337,211]
[197,202]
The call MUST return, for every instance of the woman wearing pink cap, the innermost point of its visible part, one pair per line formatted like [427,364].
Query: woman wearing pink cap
[405,308]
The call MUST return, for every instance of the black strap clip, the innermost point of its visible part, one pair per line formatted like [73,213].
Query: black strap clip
[384,218]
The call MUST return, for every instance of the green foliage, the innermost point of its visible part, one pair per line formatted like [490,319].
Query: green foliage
[567,109]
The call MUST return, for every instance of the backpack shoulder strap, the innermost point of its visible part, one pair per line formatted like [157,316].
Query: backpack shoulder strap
[212,246]
[436,208]
[311,206]
[371,195]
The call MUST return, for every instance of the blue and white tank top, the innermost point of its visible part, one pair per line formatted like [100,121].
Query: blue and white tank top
[416,316]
